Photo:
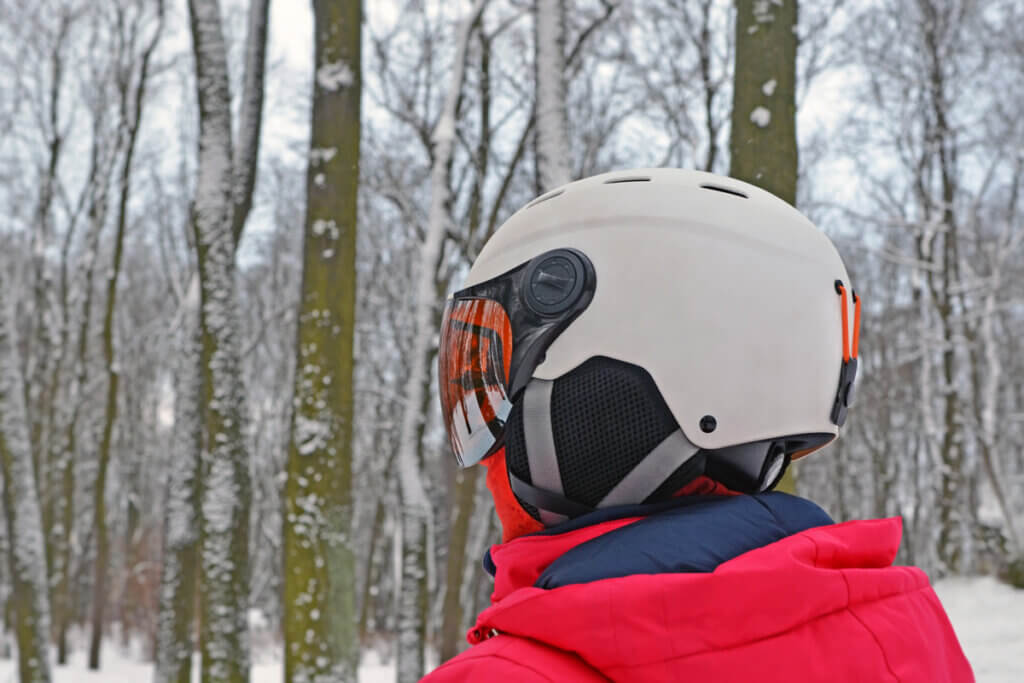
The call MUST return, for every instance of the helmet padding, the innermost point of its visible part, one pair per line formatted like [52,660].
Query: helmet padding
[606,416]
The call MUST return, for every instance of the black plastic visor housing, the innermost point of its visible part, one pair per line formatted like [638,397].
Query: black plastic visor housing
[495,334]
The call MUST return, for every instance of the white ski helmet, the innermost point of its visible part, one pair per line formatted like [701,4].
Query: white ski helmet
[626,333]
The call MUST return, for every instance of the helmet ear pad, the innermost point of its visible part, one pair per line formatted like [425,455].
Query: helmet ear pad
[606,416]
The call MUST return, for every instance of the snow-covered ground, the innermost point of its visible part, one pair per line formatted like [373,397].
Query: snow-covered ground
[987,615]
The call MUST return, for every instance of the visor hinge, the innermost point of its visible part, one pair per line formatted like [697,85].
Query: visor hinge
[848,371]
[844,394]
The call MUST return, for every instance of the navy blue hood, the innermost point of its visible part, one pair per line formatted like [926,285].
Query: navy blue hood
[693,535]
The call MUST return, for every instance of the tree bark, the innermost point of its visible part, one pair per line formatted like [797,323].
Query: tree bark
[321,643]
[451,625]
[188,491]
[225,490]
[763,143]
[178,577]
[27,554]
[552,139]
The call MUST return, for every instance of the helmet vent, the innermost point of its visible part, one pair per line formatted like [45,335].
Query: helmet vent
[630,179]
[544,198]
[726,190]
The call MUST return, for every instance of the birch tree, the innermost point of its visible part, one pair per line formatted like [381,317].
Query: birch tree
[27,559]
[416,513]
[321,644]
[552,117]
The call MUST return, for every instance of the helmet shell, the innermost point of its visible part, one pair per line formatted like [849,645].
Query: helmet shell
[723,292]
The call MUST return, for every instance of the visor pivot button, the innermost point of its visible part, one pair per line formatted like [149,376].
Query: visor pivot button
[554,282]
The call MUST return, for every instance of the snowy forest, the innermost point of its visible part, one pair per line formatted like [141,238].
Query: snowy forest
[227,229]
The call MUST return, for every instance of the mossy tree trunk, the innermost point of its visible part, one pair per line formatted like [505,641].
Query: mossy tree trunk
[763,142]
[453,614]
[321,643]
[225,491]
[21,511]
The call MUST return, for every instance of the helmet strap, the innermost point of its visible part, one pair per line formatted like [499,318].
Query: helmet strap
[540,455]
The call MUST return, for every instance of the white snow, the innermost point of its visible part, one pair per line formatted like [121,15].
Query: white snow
[769,87]
[986,615]
[763,11]
[334,75]
[761,117]
[321,155]
[120,666]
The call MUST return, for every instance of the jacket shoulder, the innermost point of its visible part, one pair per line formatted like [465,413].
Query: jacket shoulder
[511,658]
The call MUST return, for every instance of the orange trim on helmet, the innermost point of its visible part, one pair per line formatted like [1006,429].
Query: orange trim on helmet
[846,321]
[856,323]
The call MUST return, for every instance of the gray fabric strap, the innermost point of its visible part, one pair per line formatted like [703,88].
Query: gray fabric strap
[540,443]
[652,471]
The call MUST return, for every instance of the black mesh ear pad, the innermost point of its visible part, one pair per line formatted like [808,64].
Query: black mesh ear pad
[606,416]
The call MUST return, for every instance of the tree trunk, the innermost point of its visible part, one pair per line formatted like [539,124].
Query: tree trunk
[224,466]
[451,626]
[178,577]
[415,514]
[321,642]
[179,580]
[552,139]
[763,141]
[27,555]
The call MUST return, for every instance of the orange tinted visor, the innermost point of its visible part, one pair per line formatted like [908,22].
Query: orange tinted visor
[473,368]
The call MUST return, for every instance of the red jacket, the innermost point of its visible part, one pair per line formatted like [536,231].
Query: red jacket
[824,604]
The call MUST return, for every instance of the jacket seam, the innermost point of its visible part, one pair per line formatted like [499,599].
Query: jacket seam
[802,624]
[874,636]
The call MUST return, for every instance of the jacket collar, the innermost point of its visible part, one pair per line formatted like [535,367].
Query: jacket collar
[688,534]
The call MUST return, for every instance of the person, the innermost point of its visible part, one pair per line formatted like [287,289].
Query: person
[636,358]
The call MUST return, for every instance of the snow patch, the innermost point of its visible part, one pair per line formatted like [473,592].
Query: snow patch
[769,87]
[321,155]
[764,12]
[761,117]
[334,76]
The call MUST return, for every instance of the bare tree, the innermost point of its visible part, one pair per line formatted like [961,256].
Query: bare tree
[319,559]
[552,118]
[225,491]
[416,512]
[191,498]
[27,557]
[131,93]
